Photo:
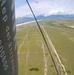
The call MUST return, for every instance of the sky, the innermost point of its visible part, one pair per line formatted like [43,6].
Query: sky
[43,7]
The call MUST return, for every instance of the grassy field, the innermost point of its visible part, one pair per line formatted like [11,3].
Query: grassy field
[33,56]
[62,37]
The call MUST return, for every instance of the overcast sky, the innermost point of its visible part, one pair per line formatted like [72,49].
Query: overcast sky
[45,7]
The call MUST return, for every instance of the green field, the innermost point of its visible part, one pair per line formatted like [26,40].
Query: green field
[33,56]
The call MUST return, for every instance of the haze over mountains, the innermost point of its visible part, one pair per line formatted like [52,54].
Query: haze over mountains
[50,16]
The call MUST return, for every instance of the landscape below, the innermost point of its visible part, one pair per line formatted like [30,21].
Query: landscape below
[33,56]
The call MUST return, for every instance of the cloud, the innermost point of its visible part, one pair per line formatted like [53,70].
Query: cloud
[22,11]
[54,12]
[60,12]
[45,7]
[38,8]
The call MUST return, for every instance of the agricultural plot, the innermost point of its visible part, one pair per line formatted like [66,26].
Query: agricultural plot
[62,36]
[33,56]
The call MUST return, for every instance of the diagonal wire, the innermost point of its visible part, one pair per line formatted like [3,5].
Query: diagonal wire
[43,37]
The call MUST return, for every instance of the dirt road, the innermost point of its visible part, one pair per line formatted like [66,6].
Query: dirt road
[54,50]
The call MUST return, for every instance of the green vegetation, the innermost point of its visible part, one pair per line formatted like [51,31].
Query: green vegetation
[63,39]
[31,59]
[30,47]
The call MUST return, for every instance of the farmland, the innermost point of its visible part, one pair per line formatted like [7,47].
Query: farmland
[33,56]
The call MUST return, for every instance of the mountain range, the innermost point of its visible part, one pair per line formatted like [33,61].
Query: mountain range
[40,17]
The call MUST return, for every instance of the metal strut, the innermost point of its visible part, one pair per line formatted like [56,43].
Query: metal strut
[43,37]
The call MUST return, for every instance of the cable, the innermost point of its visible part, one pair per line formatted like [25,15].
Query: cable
[43,37]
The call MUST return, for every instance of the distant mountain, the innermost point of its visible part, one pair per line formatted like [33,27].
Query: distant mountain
[24,19]
[51,17]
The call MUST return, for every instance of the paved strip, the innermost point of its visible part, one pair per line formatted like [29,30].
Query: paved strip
[53,48]
[45,61]
[25,23]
